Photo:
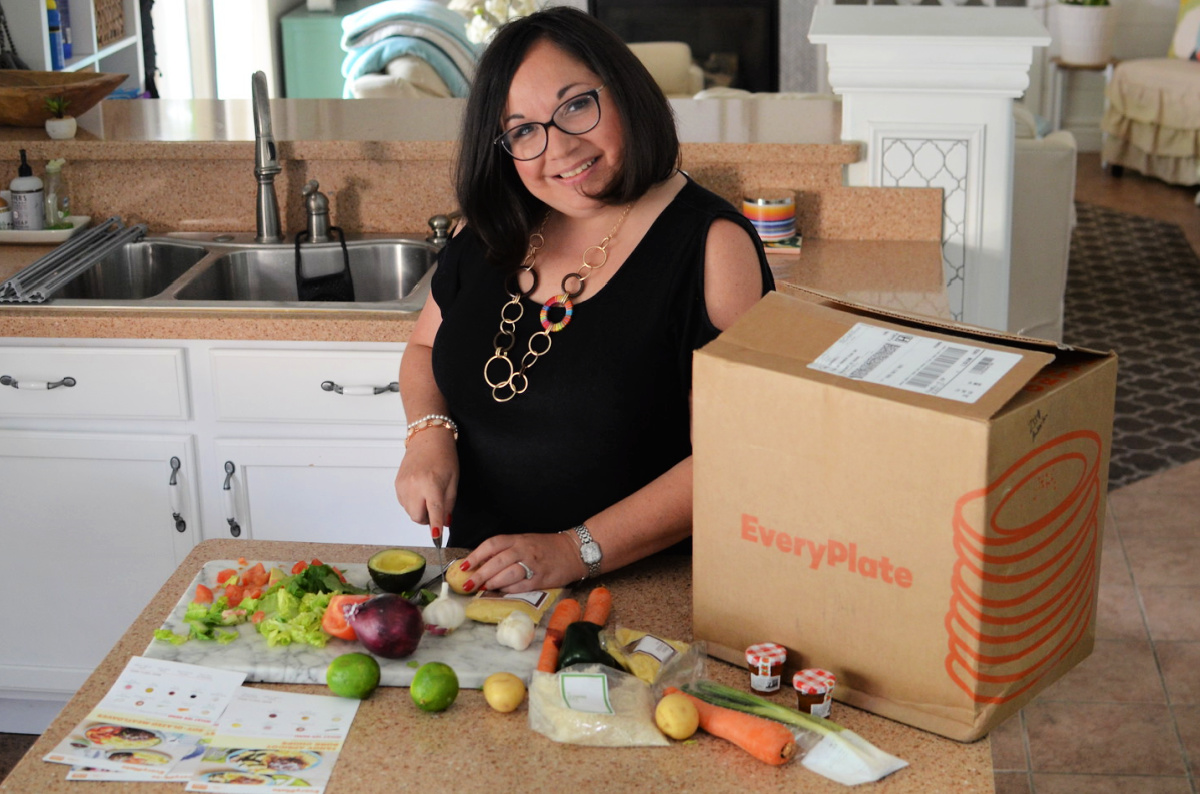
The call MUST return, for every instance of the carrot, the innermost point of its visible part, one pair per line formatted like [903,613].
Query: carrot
[766,740]
[566,613]
[599,606]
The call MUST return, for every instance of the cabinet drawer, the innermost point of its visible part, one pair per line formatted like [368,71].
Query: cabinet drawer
[307,386]
[90,382]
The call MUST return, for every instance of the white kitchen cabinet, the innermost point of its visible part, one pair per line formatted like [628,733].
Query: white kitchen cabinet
[317,490]
[89,536]
[314,433]
[290,483]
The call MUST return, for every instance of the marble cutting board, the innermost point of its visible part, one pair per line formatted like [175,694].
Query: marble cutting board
[472,650]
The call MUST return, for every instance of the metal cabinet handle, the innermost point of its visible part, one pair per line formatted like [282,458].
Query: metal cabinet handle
[30,385]
[235,529]
[176,496]
[360,391]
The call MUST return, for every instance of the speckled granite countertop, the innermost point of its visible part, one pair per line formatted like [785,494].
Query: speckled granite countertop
[393,746]
[902,275]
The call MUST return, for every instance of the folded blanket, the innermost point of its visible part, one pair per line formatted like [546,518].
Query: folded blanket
[359,24]
[464,56]
[375,58]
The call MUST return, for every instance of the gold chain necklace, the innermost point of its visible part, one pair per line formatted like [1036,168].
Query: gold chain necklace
[505,388]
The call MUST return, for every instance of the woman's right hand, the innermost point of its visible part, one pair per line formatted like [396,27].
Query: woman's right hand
[427,482]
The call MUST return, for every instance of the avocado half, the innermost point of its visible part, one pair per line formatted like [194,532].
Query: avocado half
[396,570]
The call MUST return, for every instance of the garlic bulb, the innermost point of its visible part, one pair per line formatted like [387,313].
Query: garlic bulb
[516,630]
[444,614]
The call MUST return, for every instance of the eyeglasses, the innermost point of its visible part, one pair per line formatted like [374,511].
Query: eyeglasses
[577,115]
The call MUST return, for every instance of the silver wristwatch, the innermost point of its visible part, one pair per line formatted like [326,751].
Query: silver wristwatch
[589,550]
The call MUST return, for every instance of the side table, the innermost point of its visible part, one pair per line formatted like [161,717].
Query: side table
[1059,69]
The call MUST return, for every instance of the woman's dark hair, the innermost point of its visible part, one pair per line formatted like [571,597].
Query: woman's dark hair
[490,193]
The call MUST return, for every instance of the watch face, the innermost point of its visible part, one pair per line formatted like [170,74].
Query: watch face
[590,552]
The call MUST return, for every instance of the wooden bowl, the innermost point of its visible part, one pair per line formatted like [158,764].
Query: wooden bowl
[23,93]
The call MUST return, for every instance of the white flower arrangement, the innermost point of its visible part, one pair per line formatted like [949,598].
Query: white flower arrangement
[485,16]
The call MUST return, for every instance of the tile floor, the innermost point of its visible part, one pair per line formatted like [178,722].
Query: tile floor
[1128,718]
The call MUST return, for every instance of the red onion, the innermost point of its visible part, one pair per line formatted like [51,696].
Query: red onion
[387,625]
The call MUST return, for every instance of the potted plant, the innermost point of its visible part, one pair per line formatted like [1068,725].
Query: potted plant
[60,125]
[1085,31]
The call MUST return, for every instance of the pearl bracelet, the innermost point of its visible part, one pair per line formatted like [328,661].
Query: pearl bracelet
[426,422]
[427,417]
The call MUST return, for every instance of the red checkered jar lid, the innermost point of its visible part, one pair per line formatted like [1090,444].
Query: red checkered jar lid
[813,681]
[766,653]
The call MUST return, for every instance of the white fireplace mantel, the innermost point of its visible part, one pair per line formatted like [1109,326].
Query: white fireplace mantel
[928,91]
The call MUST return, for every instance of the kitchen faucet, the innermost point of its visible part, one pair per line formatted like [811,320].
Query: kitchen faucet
[266,165]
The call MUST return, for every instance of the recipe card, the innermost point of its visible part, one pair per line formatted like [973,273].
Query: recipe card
[275,741]
[153,716]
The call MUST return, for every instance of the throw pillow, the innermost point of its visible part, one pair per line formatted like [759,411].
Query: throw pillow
[1186,41]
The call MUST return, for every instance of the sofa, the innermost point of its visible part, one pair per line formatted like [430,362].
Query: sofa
[1043,218]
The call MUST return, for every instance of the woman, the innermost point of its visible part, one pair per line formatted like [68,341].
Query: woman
[549,374]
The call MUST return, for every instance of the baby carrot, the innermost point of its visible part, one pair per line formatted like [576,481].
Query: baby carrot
[599,606]
[764,739]
[565,613]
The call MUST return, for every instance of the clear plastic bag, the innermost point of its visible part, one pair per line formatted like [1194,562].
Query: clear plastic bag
[659,661]
[594,705]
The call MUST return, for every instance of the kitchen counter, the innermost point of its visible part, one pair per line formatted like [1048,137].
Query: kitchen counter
[904,275]
[394,745]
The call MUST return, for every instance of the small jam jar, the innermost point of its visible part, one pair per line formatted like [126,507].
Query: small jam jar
[814,691]
[766,666]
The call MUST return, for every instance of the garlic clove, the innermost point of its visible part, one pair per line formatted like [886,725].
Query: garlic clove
[444,614]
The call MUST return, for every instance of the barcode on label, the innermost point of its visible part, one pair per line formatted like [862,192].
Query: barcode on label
[982,365]
[876,358]
[936,368]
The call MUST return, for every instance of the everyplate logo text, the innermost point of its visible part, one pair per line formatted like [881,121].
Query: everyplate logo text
[831,553]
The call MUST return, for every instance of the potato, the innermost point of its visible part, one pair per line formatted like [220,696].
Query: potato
[456,577]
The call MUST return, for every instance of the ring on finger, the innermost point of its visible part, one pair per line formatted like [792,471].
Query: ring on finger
[528,570]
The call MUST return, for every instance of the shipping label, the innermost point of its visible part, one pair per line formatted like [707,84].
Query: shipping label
[952,370]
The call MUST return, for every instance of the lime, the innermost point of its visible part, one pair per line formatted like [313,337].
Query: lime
[434,687]
[353,675]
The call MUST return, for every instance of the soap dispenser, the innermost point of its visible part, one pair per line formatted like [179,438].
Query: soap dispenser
[28,199]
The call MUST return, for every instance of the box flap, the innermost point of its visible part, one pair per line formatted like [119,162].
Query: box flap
[787,334]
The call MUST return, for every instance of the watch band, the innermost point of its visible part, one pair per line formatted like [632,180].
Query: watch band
[591,556]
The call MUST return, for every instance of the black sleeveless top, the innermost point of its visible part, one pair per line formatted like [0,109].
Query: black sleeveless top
[606,409]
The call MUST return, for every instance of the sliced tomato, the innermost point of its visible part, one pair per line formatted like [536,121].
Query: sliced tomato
[224,575]
[242,562]
[203,595]
[334,620]
[258,617]
[234,593]
[253,592]
[315,561]
[255,576]
[299,567]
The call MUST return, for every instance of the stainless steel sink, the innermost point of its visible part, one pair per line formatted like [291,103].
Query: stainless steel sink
[381,271]
[230,271]
[135,271]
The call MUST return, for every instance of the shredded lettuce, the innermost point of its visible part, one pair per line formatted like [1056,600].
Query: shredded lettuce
[294,606]
[166,635]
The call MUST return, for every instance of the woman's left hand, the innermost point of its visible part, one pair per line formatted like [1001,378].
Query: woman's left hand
[520,563]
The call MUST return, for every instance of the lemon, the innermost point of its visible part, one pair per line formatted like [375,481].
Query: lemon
[434,687]
[503,691]
[676,716]
[353,675]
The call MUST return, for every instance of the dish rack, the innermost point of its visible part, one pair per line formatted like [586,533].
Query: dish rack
[37,282]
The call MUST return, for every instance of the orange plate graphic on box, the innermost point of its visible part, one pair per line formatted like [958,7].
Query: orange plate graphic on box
[1022,585]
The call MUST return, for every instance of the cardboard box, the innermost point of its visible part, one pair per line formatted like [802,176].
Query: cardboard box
[939,552]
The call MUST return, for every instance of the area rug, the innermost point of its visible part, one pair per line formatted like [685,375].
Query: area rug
[1133,286]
